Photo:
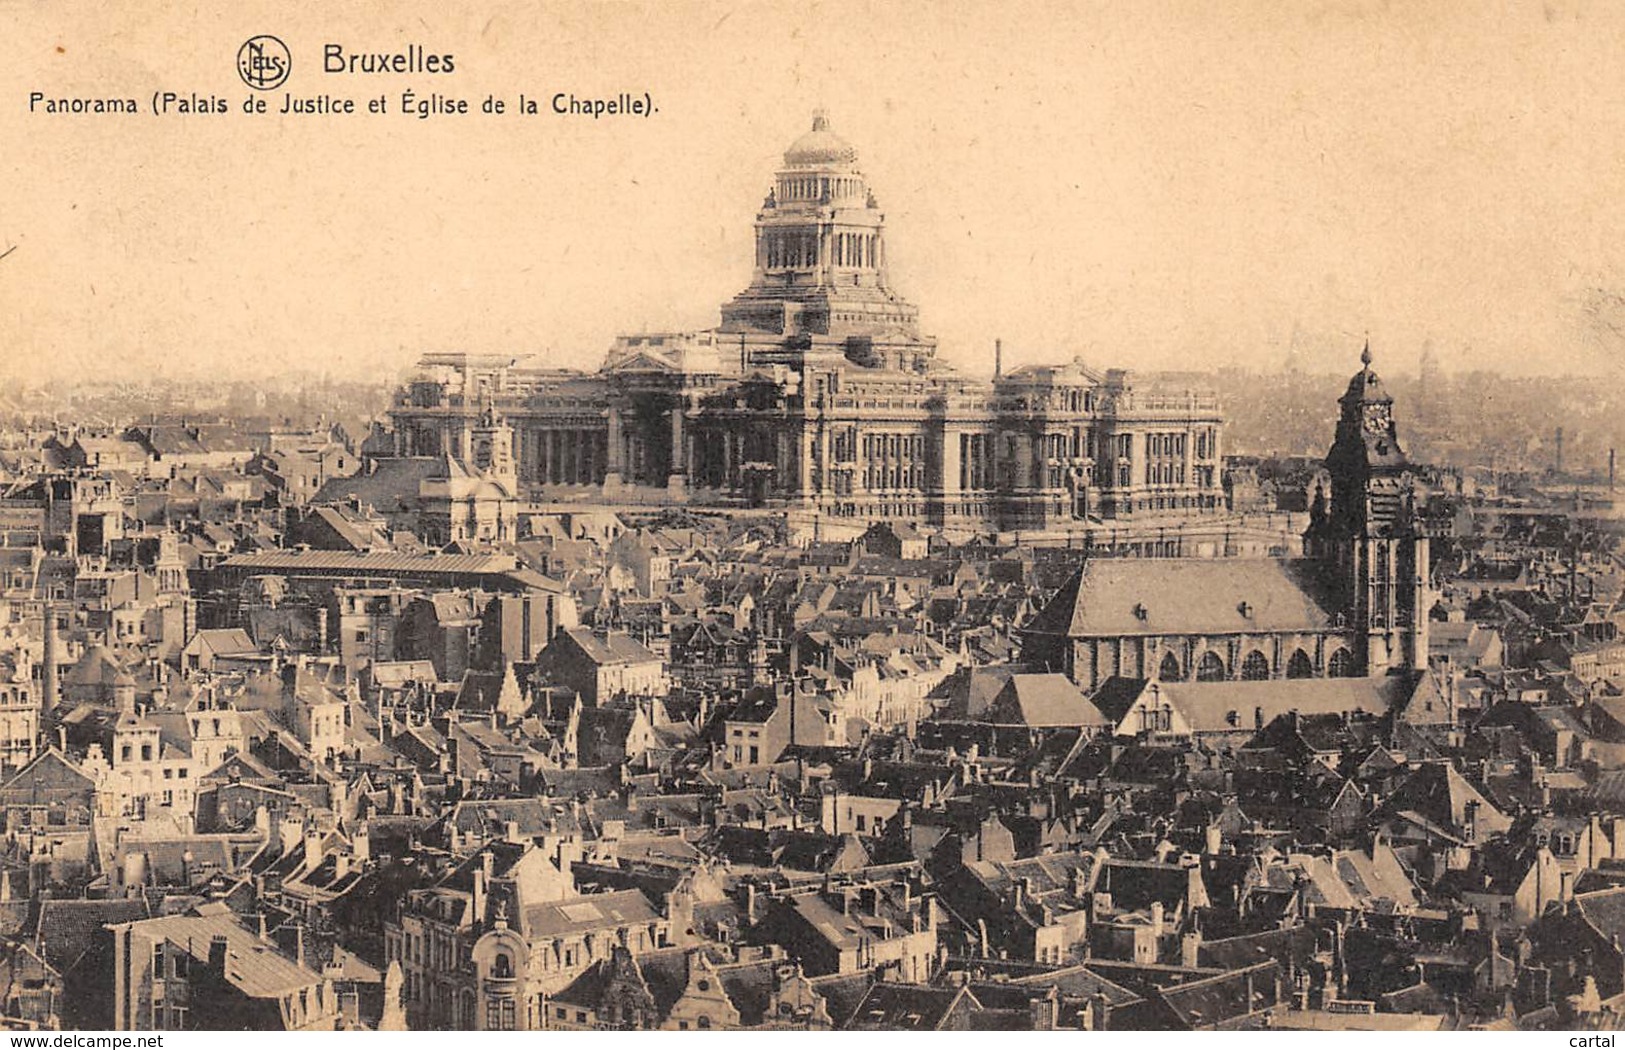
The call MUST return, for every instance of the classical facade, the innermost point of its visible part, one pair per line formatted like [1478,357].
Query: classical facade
[818,391]
[1356,605]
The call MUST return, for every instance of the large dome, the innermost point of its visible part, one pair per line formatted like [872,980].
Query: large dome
[819,146]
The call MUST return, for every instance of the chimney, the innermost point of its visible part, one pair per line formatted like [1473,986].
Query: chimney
[477,905]
[361,843]
[998,358]
[1043,1011]
[217,954]
[299,943]
[313,849]
[1156,918]
[1190,946]
[510,832]
[1213,840]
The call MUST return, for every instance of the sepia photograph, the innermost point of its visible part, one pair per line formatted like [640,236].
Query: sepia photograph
[828,517]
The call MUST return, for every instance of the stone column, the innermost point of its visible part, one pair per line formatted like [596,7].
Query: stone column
[951,466]
[677,479]
[824,461]
[804,465]
[614,467]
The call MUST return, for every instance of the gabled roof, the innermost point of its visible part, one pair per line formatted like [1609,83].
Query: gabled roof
[1043,700]
[909,1007]
[1437,793]
[614,647]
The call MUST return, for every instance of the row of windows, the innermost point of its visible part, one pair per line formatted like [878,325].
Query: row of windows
[1255,666]
[812,188]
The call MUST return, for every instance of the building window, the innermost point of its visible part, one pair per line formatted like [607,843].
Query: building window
[1341,665]
[1211,668]
[1255,668]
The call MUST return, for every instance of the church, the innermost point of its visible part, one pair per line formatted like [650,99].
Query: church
[818,392]
[1356,605]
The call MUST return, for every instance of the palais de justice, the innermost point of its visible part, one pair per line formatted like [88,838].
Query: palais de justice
[818,392]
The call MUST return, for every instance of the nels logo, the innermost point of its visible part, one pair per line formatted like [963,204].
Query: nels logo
[264,63]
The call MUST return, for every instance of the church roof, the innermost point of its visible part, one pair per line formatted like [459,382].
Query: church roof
[1153,596]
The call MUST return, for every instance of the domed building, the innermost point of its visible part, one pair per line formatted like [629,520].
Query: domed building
[817,392]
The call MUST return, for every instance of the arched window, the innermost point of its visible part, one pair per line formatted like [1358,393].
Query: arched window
[1211,669]
[1341,665]
[502,966]
[1255,668]
[1170,671]
[1300,666]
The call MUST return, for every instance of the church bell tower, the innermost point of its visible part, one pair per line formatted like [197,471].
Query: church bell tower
[492,446]
[1367,536]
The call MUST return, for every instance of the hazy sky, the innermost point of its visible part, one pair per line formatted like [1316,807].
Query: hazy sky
[1150,186]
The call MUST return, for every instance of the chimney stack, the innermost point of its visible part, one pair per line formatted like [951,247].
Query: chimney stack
[217,954]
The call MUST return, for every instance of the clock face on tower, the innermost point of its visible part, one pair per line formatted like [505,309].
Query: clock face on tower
[1376,419]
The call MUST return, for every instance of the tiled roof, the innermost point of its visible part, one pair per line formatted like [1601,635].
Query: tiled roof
[1151,596]
[255,967]
[368,561]
[596,911]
